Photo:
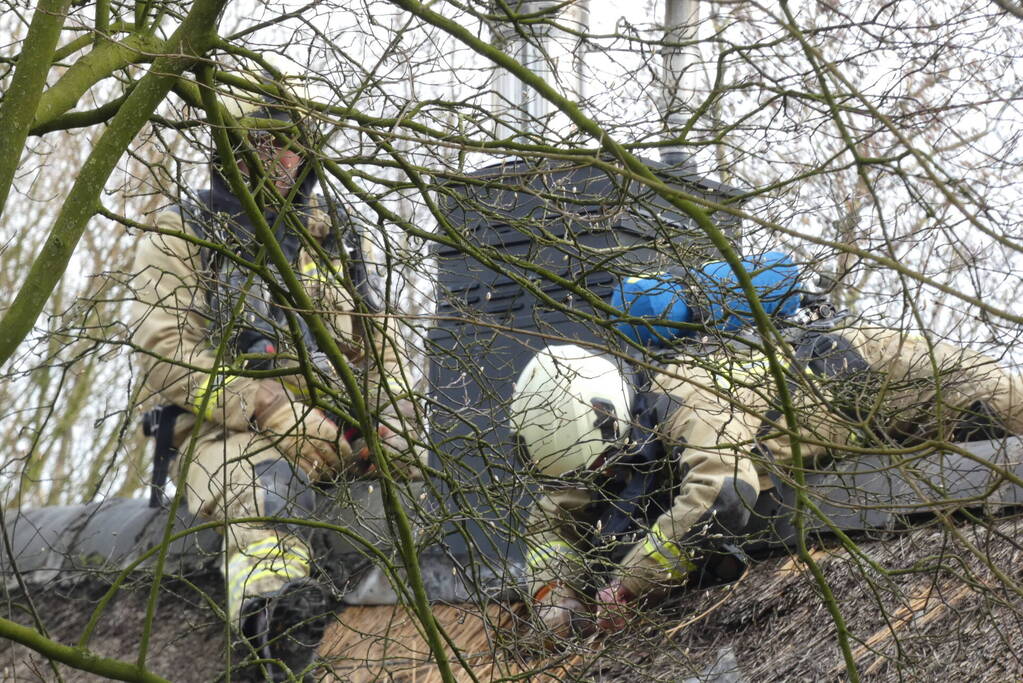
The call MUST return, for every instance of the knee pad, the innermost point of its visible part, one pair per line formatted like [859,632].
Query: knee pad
[727,516]
[286,490]
[978,422]
[830,355]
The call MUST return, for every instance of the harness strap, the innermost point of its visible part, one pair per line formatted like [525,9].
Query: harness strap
[159,422]
[619,517]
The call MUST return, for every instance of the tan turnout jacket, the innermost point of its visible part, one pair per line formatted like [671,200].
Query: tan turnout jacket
[180,357]
[719,435]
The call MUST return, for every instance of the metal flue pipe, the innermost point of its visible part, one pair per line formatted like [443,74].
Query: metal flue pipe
[553,54]
[680,56]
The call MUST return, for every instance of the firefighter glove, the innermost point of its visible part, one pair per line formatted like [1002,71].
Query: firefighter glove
[393,430]
[305,435]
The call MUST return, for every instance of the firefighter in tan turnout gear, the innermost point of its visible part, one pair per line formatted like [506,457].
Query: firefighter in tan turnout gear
[713,413]
[251,446]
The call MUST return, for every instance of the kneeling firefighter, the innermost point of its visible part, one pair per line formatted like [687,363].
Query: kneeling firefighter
[650,484]
[210,311]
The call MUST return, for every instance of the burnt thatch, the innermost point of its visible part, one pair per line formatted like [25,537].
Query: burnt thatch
[937,602]
[933,603]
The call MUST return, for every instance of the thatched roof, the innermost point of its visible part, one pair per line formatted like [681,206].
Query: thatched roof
[922,595]
[932,603]
[929,603]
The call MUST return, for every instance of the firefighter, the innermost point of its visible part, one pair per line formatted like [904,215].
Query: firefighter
[251,447]
[718,425]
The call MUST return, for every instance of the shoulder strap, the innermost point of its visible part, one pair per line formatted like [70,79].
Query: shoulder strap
[159,423]
[644,468]
[200,219]
[351,242]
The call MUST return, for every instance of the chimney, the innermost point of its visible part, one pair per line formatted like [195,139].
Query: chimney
[536,36]
[681,18]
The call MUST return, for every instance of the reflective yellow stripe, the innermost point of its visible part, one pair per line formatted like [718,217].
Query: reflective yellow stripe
[285,557]
[239,585]
[727,370]
[272,544]
[284,567]
[655,546]
[665,541]
[394,384]
[654,554]
[312,271]
[214,392]
[265,558]
[258,546]
[542,554]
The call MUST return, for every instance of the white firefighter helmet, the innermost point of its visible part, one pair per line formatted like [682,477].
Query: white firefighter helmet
[568,407]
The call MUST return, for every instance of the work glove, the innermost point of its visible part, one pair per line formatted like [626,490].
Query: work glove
[396,421]
[306,436]
[318,223]
[559,611]
[613,607]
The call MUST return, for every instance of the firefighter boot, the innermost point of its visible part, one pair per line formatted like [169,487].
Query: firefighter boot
[284,628]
